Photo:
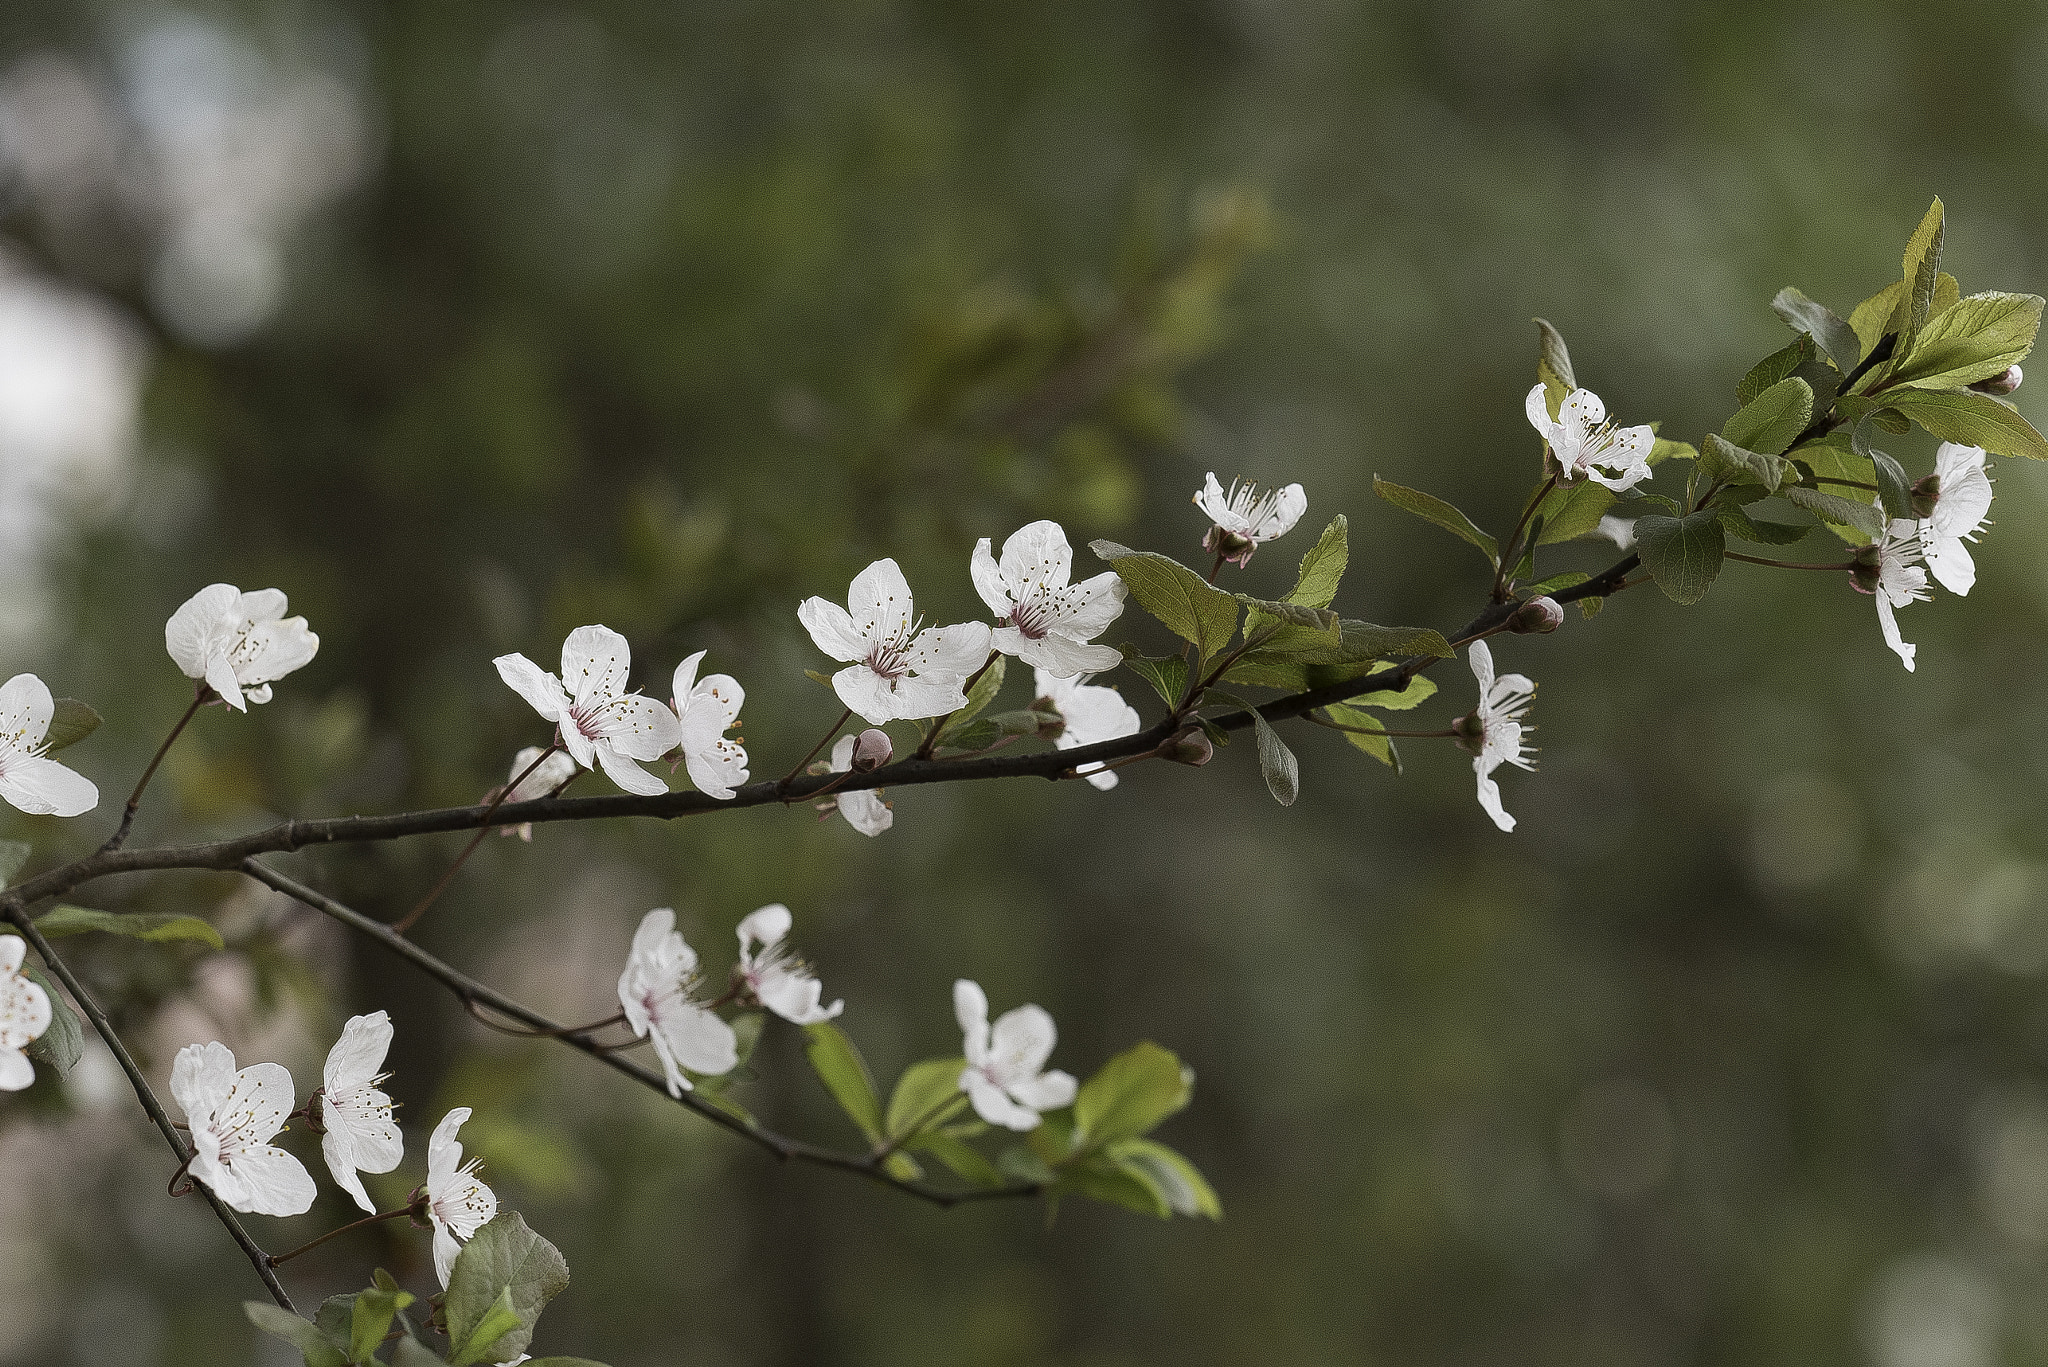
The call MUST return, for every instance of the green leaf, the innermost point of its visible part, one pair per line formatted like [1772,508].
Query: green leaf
[70,722]
[1801,359]
[13,854]
[1100,1177]
[1835,336]
[302,1334]
[1317,622]
[1430,508]
[1364,641]
[1972,419]
[1282,771]
[1564,579]
[410,1352]
[978,697]
[845,1074]
[1553,365]
[1168,677]
[1922,265]
[1974,340]
[370,1320]
[1893,489]
[1360,727]
[61,1045]
[505,1266]
[1872,317]
[139,925]
[1178,1182]
[983,732]
[1192,608]
[1722,462]
[926,1096]
[1683,554]
[1572,510]
[1322,569]
[1130,1094]
[1835,510]
[962,1161]
[1773,420]
[1021,1164]
[1762,531]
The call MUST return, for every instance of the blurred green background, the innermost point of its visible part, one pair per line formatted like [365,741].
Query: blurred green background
[466,323]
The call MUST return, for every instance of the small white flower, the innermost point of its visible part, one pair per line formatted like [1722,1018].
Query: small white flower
[356,1117]
[1041,618]
[1620,530]
[655,993]
[1585,443]
[778,979]
[554,771]
[238,642]
[864,808]
[1092,713]
[1959,512]
[897,672]
[1898,579]
[29,778]
[707,709]
[233,1117]
[1245,518]
[1498,721]
[24,1015]
[1003,1077]
[599,723]
[458,1205]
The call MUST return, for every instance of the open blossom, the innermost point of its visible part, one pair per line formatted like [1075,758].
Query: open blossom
[238,642]
[1246,519]
[896,672]
[1091,713]
[1493,732]
[358,1133]
[29,778]
[530,782]
[1889,570]
[1041,618]
[707,709]
[233,1117]
[864,808]
[458,1205]
[655,993]
[599,723]
[778,979]
[1963,500]
[24,1015]
[1004,1077]
[1585,443]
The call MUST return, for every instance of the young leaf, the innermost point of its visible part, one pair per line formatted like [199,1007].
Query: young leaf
[1277,762]
[300,1333]
[505,1266]
[1835,510]
[1722,462]
[1800,358]
[962,1161]
[978,697]
[1131,1094]
[1100,1177]
[1365,733]
[1564,579]
[1420,689]
[1318,622]
[139,925]
[926,1096]
[1973,340]
[1178,1181]
[1872,317]
[1192,608]
[1972,419]
[61,1045]
[1322,569]
[13,854]
[845,1074]
[1430,508]
[370,1320]
[1683,554]
[1835,336]
[1893,489]
[1553,365]
[1922,265]
[1168,677]
[410,1352]
[1773,420]
[479,1343]
[1572,510]
[1759,530]
[70,722]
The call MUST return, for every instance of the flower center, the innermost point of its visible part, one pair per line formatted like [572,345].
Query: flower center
[1033,617]
[889,657]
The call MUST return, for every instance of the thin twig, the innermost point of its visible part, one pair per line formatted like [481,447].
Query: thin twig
[120,835]
[407,921]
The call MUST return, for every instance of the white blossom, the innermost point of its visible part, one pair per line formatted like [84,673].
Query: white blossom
[599,722]
[233,1116]
[1245,518]
[24,1015]
[1896,579]
[778,979]
[1960,508]
[458,1205]
[1041,618]
[29,778]
[1585,443]
[1091,712]
[1004,1077]
[1498,721]
[707,709]
[655,993]
[864,808]
[1620,530]
[896,672]
[554,771]
[359,1134]
[238,642]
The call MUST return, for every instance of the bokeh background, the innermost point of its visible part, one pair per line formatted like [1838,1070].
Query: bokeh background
[468,322]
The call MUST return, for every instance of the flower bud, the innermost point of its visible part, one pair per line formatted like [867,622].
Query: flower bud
[1864,566]
[2004,383]
[1926,494]
[871,751]
[1232,547]
[1192,746]
[1470,730]
[1538,616]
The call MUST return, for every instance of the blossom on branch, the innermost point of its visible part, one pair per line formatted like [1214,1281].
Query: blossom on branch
[238,642]
[1890,571]
[358,1134]
[1041,618]
[865,809]
[1246,519]
[554,771]
[233,1117]
[457,1204]
[1962,499]
[600,724]
[1004,1077]
[1091,712]
[29,778]
[1585,443]
[895,672]
[24,1015]
[707,709]
[778,979]
[1493,731]
[655,993]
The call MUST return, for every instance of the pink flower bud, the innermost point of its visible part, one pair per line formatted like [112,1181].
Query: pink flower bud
[1190,747]
[1538,616]
[2003,383]
[871,751]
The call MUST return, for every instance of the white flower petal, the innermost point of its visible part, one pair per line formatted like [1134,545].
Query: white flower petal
[989,581]
[637,726]
[1047,1091]
[199,626]
[202,1075]
[274,1182]
[1037,556]
[358,1055]
[994,1105]
[627,774]
[970,1009]
[1537,406]
[1020,1043]
[16,1072]
[43,787]
[767,926]
[879,603]
[872,697]
[338,1151]
[542,690]
[25,711]
[444,1150]
[866,811]
[832,629]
